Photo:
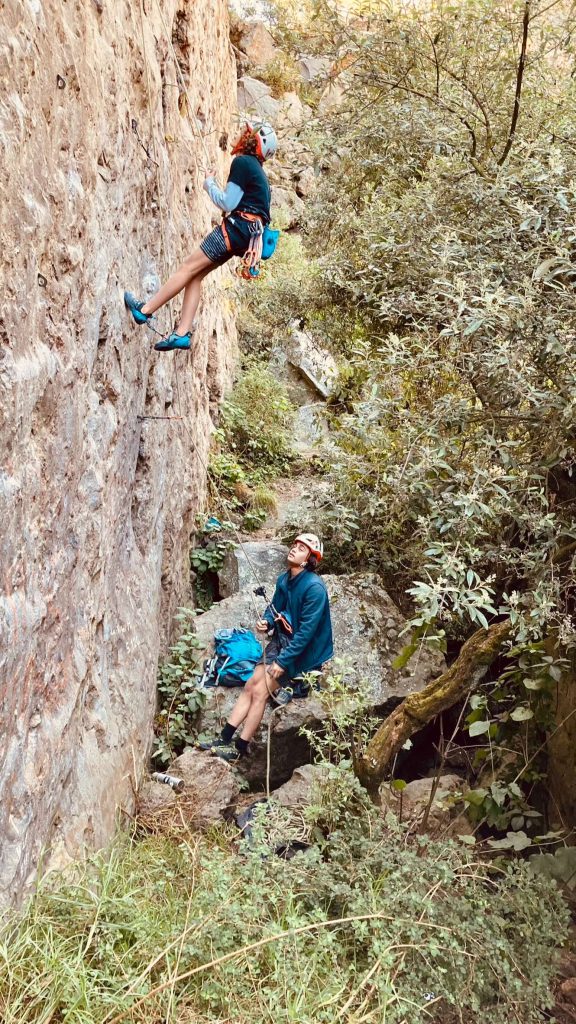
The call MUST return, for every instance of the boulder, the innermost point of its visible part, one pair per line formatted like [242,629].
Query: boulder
[332,98]
[287,207]
[309,428]
[288,749]
[315,364]
[367,627]
[254,97]
[257,43]
[301,789]
[210,793]
[154,797]
[253,563]
[211,787]
[313,68]
[292,111]
[568,990]
[306,182]
[410,804]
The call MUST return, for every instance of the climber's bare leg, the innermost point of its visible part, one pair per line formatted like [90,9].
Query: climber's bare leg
[193,265]
[192,301]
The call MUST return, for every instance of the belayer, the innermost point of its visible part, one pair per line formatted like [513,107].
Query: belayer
[245,203]
[299,617]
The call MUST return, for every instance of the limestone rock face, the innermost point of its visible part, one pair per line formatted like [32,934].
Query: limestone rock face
[100,191]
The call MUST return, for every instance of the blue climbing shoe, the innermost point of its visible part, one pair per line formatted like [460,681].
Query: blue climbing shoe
[174,341]
[135,307]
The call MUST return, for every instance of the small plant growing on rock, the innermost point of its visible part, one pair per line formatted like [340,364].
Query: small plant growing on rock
[208,558]
[179,696]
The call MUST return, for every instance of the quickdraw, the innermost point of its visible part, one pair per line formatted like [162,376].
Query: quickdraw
[249,267]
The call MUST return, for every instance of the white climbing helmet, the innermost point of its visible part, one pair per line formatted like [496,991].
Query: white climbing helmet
[266,141]
[313,542]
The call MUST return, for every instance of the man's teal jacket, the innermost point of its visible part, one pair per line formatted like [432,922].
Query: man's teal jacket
[305,601]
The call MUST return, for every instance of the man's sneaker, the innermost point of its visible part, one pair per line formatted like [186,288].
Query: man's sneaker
[282,696]
[135,307]
[173,341]
[210,744]
[228,753]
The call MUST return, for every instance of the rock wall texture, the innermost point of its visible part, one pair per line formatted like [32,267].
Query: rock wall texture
[100,191]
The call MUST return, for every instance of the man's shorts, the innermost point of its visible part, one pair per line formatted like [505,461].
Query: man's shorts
[239,232]
[297,684]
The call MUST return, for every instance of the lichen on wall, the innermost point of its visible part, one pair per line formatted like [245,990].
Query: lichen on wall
[100,191]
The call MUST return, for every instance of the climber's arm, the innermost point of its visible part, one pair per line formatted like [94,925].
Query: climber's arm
[226,199]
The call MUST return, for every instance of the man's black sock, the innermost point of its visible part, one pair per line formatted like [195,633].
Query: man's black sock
[228,732]
[241,746]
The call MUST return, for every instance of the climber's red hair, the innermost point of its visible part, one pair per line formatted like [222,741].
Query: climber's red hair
[247,143]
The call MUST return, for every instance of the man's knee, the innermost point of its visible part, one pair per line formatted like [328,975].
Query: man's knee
[264,688]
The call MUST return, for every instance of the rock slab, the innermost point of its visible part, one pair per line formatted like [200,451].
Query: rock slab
[250,565]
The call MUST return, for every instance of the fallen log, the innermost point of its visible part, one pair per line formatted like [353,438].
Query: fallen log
[471,665]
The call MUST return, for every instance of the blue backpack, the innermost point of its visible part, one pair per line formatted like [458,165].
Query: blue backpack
[236,654]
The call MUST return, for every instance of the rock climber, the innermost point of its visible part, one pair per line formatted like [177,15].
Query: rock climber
[245,203]
[299,618]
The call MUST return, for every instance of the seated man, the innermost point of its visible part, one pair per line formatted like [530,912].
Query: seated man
[300,615]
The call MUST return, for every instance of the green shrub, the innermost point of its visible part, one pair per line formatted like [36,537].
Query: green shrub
[366,927]
[282,74]
[256,422]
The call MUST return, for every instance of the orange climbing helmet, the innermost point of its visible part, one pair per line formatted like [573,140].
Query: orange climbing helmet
[266,140]
[313,543]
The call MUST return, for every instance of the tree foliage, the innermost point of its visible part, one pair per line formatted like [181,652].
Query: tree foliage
[444,263]
[442,253]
